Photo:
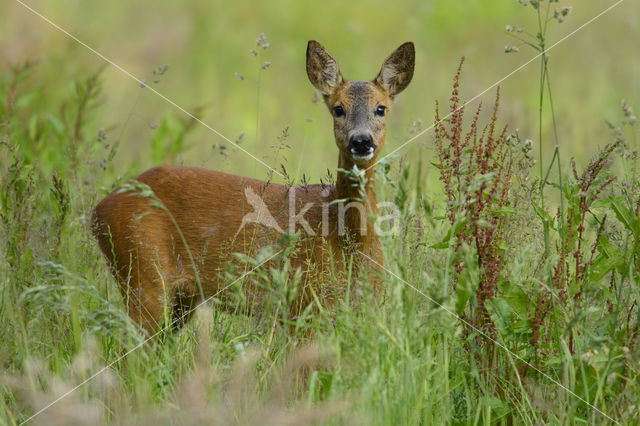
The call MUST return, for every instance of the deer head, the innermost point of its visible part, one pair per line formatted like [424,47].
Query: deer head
[359,108]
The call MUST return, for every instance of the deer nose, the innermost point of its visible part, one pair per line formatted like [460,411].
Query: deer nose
[361,144]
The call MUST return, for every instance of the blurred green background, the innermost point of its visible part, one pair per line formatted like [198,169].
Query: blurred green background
[205,43]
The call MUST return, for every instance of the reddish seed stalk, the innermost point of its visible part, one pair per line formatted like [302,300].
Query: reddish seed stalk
[589,190]
[463,157]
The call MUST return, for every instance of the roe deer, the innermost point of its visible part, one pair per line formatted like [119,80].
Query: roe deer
[218,214]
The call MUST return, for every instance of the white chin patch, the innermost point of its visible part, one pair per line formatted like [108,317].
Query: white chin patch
[359,158]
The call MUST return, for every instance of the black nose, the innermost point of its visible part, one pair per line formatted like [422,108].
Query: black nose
[361,144]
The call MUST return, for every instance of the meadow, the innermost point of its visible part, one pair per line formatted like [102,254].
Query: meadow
[510,288]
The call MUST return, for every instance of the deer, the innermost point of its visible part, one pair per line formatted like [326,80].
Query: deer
[169,241]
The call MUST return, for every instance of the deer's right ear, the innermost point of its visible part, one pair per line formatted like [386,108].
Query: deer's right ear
[322,69]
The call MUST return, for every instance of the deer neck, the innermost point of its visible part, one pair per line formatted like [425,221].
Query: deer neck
[356,192]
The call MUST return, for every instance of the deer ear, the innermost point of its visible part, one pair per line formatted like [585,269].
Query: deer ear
[397,70]
[322,69]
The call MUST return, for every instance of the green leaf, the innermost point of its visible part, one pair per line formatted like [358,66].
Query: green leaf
[440,245]
[600,203]
[33,127]
[521,326]
[625,215]
[26,100]
[464,293]
[455,230]
[518,301]
[602,265]
[501,314]
[542,214]
[158,150]
[504,211]
[56,125]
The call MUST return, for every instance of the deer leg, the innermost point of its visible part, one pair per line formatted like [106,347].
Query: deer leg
[184,300]
[148,285]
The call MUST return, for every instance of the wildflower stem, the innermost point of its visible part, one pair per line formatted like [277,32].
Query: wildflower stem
[557,148]
[523,41]
[545,224]
[545,84]
[258,110]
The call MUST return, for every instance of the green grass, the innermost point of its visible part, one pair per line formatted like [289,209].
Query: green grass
[554,344]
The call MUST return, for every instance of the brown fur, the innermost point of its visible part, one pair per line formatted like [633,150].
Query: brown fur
[152,264]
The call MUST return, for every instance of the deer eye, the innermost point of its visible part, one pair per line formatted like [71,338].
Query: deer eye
[338,112]
[380,111]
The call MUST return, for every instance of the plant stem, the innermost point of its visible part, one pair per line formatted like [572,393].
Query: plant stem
[557,147]
[258,111]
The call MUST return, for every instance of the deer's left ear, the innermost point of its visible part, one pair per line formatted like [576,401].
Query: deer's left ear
[397,70]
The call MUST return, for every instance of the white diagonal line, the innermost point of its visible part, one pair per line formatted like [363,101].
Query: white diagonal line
[500,345]
[106,59]
[141,344]
[590,21]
